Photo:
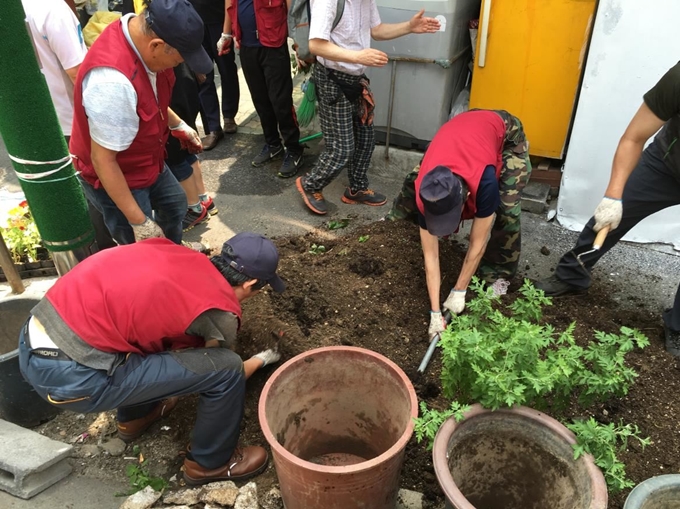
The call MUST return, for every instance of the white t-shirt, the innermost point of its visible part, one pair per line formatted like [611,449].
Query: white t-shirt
[353,31]
[59,43]
[110,102]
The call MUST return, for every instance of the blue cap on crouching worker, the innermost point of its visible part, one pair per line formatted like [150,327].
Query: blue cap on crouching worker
[442,194]
[255,256]
[180,26]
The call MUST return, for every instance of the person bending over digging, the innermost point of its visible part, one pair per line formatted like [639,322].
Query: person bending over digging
[642,182]
[135,327]
[475,168]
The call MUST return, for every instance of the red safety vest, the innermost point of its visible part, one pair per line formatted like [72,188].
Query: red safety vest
[466,144]
[271,19]
[141,162]
[141,297]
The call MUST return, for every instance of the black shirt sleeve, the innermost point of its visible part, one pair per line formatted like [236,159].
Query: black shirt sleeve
[664,98]
[488,194]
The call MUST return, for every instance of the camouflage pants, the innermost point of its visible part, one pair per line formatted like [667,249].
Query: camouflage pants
[501,257]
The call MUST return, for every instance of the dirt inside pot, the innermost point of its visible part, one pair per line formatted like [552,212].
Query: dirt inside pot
[513,472]
[13,314]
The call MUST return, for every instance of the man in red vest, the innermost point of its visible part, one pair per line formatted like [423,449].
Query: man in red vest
[122,119]
[475,168]
[127,329]
[260,30]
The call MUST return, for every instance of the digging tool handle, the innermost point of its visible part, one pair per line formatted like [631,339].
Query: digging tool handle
[601,236]
[433,346]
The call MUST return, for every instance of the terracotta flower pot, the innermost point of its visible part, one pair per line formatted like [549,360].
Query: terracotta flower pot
[515,458]
[338,420]
[660,492]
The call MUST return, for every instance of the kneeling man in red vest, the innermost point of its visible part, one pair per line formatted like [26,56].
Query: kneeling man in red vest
[135,327]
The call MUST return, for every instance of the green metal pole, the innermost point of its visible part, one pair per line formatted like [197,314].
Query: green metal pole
[36,145]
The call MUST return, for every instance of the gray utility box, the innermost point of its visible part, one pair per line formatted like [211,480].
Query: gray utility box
[423,92]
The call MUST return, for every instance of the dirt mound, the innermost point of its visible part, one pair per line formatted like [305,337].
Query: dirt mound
[372,294]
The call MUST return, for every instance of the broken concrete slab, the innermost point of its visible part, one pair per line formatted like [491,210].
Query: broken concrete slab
[30,462]
[535,197]
[142,499]
[221,493]
[409,500]
[247,497]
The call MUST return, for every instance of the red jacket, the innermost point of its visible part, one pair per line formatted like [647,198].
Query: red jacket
[142,162]
[141,297]
[271,18]
[466,144]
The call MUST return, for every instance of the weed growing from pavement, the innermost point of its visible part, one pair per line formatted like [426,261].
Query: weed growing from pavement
[340,223]
[139,477]
[502,360]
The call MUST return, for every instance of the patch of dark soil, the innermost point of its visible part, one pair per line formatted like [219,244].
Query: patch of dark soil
[372,294]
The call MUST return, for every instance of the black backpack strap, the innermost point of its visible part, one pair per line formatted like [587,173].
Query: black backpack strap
[338,13]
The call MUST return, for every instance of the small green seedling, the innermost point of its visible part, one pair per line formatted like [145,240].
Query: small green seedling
[140,477]
[317,249]
[364,238]
[337,225]
[344,251]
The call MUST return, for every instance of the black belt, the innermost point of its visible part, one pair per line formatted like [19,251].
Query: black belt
[45,353]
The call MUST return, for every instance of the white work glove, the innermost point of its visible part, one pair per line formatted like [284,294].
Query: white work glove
[224,44]
[147,230]
[188,138]
[268,356]
[437,324]
[608,212]
[455,302]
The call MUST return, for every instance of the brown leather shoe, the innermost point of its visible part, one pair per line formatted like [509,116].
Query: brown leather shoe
[128,431]
[229,126]
[246,462]
[212,139]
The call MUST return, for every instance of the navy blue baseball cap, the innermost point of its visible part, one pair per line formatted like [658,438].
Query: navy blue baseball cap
[442,194]
[179,25]
[255,256]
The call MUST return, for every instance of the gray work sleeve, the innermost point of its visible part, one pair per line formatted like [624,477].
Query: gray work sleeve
[215,324]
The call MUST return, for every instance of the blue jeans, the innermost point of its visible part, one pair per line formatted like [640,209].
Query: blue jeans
[137,386]
[164,201]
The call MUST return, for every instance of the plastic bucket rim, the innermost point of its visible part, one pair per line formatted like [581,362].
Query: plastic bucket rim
[642,490]
[394,450]
[443,436]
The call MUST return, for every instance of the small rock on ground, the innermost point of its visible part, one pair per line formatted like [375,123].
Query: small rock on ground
[186,497]
[115,447]
[221,493]
[247,497]
[89,451]
[272,500]
[142,499]
[409,500]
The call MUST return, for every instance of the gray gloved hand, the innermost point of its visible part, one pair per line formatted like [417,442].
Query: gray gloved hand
[437,324]
[455,302]
[608,212]
[147,230]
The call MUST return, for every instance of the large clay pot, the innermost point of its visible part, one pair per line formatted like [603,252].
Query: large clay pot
[515,459]
[338,420]
[660,492]
[19,403]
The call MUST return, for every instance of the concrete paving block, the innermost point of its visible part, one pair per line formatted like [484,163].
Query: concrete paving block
[30,462]
[535,197]
[409,500]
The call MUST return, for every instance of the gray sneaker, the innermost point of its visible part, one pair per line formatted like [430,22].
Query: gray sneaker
[268,153]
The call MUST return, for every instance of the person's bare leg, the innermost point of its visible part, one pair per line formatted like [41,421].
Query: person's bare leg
[198,178]
[190,189]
